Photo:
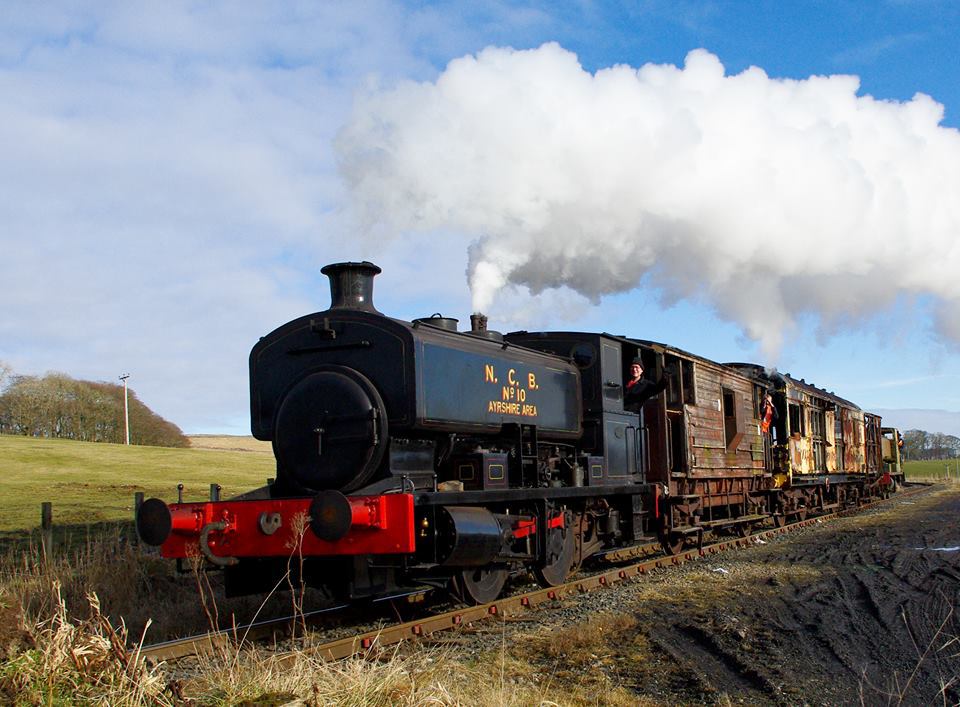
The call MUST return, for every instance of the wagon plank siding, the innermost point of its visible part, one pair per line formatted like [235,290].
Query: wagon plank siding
[705,426]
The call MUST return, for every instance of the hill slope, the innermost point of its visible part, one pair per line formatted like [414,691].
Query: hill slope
[91,482]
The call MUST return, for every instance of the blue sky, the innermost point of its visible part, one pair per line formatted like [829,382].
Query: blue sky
[175,175]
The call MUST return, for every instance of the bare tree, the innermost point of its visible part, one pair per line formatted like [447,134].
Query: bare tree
[59,406]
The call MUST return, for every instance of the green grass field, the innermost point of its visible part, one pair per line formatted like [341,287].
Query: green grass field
[91,482]
[932,470]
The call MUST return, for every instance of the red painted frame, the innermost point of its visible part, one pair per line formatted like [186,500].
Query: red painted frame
[381,525]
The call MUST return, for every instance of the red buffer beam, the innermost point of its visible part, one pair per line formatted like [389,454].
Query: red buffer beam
[327,524]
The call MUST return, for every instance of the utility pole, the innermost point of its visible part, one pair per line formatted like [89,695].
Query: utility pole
[126,408]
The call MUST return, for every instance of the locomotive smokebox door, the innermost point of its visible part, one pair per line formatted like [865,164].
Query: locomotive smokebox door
[330,431]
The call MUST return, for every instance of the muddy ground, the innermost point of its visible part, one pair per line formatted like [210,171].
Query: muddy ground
[859,610]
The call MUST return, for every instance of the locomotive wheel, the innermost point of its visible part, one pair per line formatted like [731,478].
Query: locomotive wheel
[561,548]
[479,585]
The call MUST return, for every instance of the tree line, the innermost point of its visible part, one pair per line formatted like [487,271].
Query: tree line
[921,445]
[56,405]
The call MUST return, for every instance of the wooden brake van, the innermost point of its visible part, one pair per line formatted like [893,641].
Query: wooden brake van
[704,443]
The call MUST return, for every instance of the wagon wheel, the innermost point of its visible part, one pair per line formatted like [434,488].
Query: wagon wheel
[778,520]
[561,556]
[479,585]
[742,530]
[801,513]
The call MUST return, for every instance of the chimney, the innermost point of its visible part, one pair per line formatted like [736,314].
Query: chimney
[351,285]
[478,323]
[478,327]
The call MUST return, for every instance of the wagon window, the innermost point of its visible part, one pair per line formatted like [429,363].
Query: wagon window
[818,437]
[838,440]
[796,420]
[689,383]
[681,383]
[674,383]
[733,425]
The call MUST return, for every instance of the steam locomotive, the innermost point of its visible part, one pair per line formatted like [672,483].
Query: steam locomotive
[413,453]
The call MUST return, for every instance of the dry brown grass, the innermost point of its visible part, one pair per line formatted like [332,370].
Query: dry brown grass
[68,618]
[70,662]
[420,677]
[230,443]
[409,675]
[588,663]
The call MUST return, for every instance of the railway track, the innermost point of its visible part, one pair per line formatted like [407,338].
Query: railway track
[462,616]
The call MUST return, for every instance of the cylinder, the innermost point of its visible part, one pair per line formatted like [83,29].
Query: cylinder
[467,536]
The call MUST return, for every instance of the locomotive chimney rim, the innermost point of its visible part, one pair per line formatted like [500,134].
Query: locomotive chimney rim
[351,285]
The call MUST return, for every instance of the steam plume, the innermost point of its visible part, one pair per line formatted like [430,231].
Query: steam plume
[765,197]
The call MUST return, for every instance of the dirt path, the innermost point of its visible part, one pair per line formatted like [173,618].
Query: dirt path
[862,610]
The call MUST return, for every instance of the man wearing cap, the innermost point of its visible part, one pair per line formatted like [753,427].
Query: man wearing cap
[639,389]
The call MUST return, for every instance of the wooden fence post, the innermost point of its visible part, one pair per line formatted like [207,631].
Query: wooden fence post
[46,527]
[137,502]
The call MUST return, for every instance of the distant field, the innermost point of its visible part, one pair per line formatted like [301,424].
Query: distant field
[93,482]
[931,470]
[230,443]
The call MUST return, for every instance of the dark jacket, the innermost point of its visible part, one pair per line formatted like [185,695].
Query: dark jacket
[636,394]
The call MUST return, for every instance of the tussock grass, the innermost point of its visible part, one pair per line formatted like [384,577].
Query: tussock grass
[69,662]
[133,587]
[70,616]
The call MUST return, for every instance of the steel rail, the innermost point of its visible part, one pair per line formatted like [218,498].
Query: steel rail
[463,616]
[256,631]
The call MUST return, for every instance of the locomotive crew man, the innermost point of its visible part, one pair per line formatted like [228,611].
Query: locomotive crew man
[639,389]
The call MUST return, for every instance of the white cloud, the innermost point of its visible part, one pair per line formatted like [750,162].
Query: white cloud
[168,190]
[767,198]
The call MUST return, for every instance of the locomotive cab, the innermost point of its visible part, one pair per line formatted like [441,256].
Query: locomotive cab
[612,441]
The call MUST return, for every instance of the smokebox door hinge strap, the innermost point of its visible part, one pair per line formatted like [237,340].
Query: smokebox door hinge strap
[323,328]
